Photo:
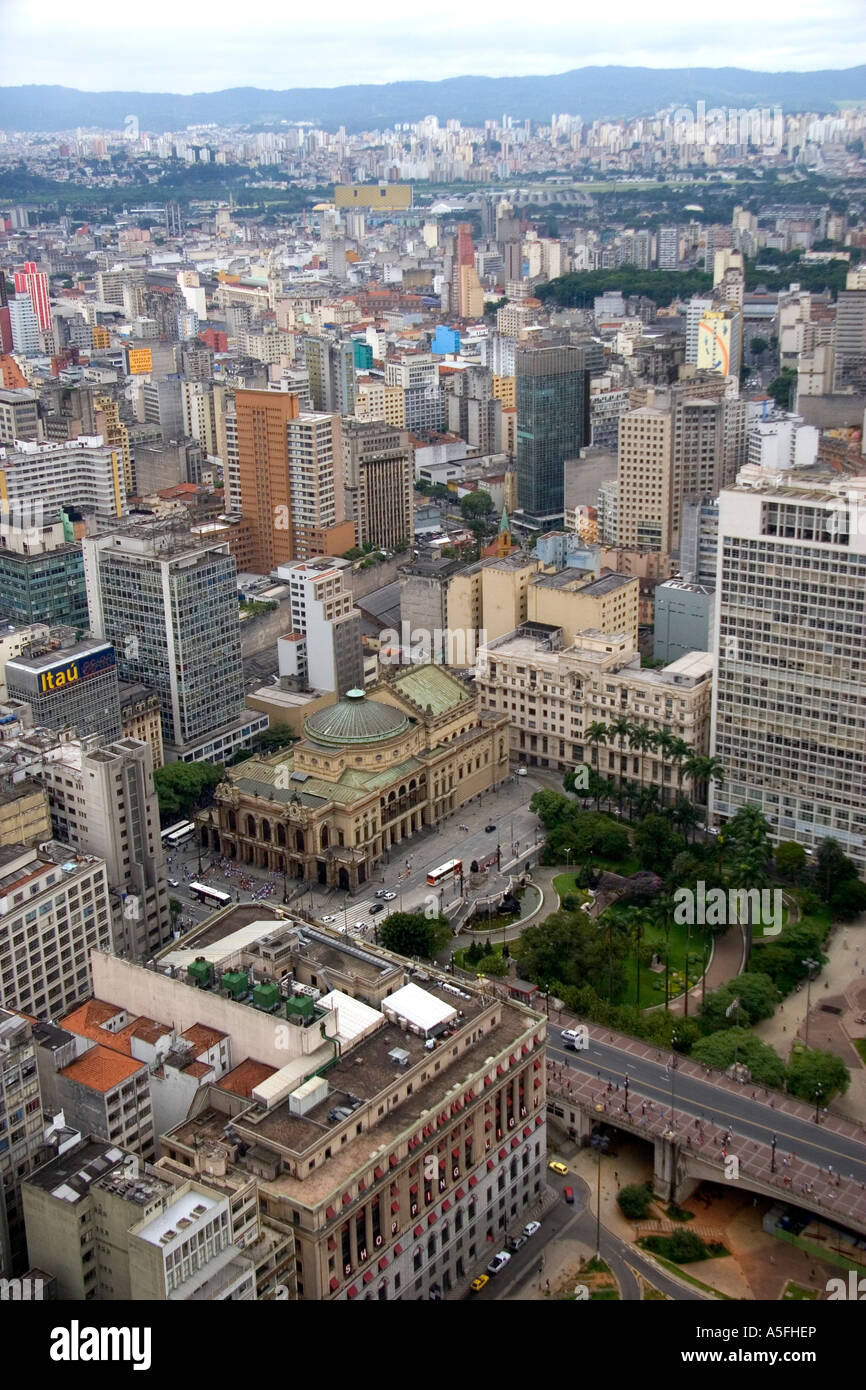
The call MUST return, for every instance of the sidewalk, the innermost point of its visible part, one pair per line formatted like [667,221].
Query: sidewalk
[846,949]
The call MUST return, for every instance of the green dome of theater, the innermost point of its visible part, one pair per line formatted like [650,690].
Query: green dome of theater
[355,720]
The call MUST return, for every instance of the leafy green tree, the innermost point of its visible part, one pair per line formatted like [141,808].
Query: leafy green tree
[475,506]
[276,738]
[817,1076]
[758,345]
[832,867]
[848,900]
[635,1201]
[782,959]
[413,934]
[790,859]
[568,949]
[552,808]
[747,998]
[492,965]
[182,787]
[720,1050]
[783,387]
[656,844]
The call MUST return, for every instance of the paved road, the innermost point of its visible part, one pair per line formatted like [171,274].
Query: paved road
[578,1222]
[733,1109]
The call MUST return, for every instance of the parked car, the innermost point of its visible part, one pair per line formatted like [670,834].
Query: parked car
[530,1228]
[490,829]
[568,1194]
[557,1167]
[515,1243]
[478,1284]
[377,907]
[498,1262]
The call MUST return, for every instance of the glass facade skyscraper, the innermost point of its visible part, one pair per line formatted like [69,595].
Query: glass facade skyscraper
[552,424]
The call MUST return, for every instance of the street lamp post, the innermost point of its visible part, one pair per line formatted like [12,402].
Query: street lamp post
[773,1156]
[567,853]
[812,965]
[598,1209]
[819,1091]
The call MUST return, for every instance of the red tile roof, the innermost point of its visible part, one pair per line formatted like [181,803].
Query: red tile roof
[243,1079]
[101,1069]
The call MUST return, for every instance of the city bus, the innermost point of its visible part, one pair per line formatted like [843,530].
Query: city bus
[165,835]
[453,866]
[181,836]
[211,897]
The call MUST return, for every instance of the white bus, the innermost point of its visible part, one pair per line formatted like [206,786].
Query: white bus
[181,836]
[165,835]
[453,866]
[211,897]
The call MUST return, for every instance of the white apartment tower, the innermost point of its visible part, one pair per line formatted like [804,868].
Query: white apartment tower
[789,705]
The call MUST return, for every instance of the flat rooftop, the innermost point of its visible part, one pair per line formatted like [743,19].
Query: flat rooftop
[70,1177]
[375,1075]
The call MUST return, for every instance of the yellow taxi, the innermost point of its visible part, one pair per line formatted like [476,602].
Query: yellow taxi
[558,1168]
[478,1284]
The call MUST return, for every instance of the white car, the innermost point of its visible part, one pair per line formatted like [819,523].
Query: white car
[530,1228]
[389,897]
[498,1262]
[359,926]
[522,772]
[329,919]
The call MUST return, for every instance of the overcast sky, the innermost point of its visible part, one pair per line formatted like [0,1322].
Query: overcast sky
[205,45]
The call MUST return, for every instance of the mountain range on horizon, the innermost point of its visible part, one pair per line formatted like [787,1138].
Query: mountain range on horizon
[593,93]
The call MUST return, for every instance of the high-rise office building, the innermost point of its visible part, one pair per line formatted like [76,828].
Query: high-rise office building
[103,801]
[168,602]
[668,248]
[24,327]
[19,417]
[23,1147]
[697,306]
[473,411]
[258,481]
[41,573]
[330,365]
[720,341]
[324,649]
[70,688]
[789,705]
[377,473]
[317,504]
[199,421]
[850,362]
[644,478]
[54,909]
[552,425]
[5,320]
[289,479]
[83,473]
[34,283]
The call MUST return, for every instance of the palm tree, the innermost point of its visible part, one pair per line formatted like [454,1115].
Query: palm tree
[678,751]
[649,801]
[641,739]
[659,742]
[621,728]
[596,734]
[685,815]
[631,794]
[702,770]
